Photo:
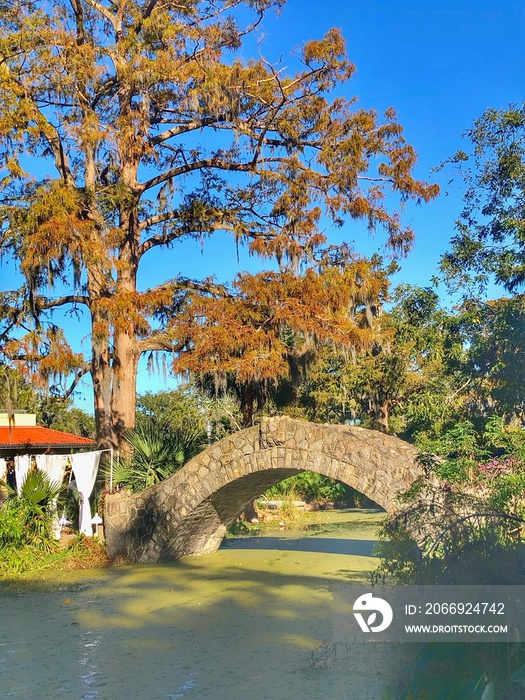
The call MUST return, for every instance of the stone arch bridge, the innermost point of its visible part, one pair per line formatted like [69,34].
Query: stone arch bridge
[190,512]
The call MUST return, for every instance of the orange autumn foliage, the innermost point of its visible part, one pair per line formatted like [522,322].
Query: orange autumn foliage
[131,127]
[246,334]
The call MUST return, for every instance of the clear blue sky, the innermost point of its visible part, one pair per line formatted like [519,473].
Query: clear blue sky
[440,64]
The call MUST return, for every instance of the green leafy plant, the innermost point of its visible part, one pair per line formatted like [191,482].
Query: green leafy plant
[464,519]
[453,533]
[312,486]
[27,519]
[81,553]
[12,525]
[156,452]
[37,497]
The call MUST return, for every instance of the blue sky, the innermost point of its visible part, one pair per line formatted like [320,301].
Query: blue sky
[440,64]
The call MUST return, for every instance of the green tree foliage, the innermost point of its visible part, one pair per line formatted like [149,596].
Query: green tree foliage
[128,128]
[17,393]
[429,351]
[312,486]
[490,239]
[412,381]
[190,408]
[497,357]
[61,414]
[464,520]
[430,370]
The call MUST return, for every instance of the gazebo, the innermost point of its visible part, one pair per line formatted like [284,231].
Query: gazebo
[24,444]
[35,439]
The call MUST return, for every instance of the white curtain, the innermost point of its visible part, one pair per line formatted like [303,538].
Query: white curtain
[22,464]
[53,465]
[85,467]
[55,468]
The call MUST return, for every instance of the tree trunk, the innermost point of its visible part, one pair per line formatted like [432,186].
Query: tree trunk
[379,410]
[247,400]
[114,376]
[382,415]
[250,513]
[101,375]
[384,418]
[247,397]
[116,401]
[124,389]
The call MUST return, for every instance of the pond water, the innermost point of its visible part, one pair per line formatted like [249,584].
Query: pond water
[254,619]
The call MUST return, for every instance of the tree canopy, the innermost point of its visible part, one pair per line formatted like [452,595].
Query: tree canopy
[128,127]
[407,381]
[490,241]
[273,324]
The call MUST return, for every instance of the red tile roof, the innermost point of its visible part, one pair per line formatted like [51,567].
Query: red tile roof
[37,437]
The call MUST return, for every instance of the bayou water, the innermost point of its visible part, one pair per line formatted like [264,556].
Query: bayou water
[254,620]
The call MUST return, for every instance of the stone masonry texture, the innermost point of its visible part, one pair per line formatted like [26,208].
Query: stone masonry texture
[190,512]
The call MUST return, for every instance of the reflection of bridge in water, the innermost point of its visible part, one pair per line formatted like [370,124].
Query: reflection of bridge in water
[190,512]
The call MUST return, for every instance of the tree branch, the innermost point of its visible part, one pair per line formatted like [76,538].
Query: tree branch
[78,376]
[184,283]
[104,88]
[104,12]
[160,342]
[62,301]
[61,160]
[192,167]
[167,238]
[79,17]
[159,219]
[184,129]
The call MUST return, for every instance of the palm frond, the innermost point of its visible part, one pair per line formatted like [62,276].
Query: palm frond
[157,451]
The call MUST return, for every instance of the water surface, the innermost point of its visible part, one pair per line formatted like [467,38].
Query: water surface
[253,620]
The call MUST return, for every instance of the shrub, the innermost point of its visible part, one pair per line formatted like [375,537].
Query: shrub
[157,451]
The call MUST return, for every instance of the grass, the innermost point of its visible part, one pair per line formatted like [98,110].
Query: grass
[81,553]
[285,517]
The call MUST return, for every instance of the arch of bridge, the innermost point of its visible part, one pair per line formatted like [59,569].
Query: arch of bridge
[190,512]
